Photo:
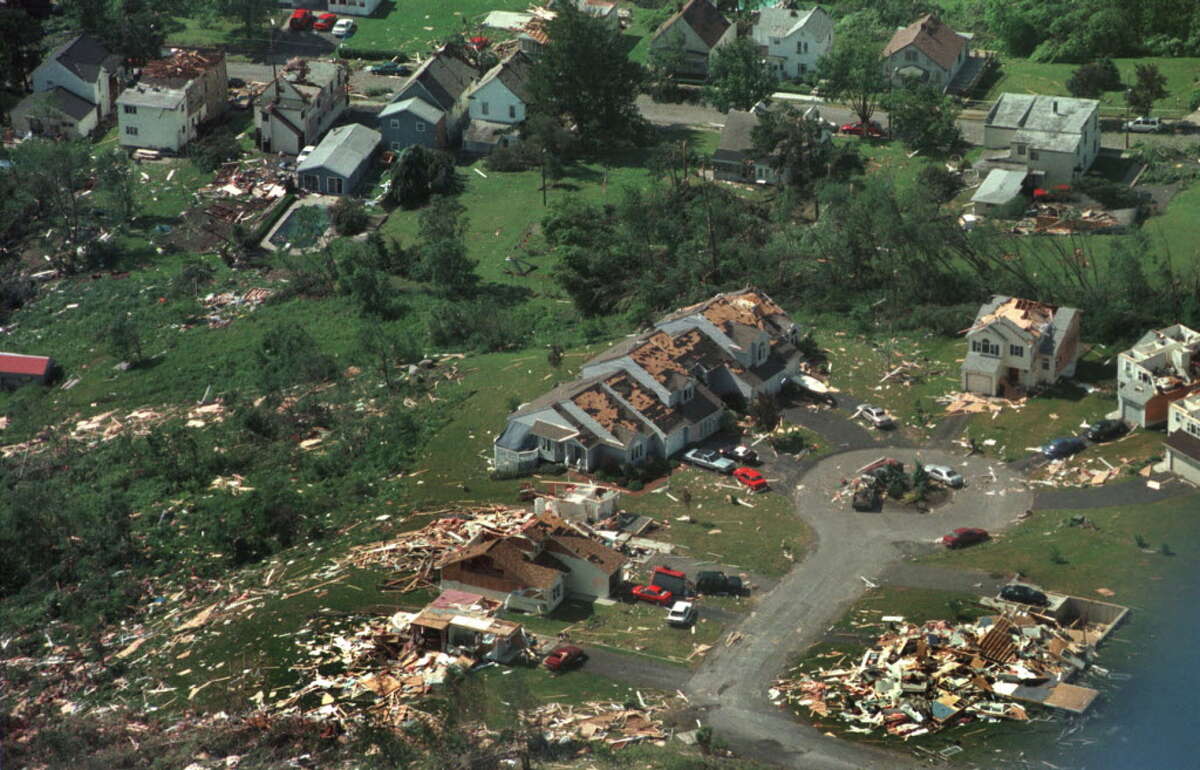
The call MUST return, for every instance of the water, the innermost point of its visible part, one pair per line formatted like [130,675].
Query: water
[302,228]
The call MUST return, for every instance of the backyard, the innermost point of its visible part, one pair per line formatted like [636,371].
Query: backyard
[1024,76]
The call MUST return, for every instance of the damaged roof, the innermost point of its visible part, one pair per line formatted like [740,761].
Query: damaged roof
[598,404]
[444,76]
[181,66]
[506,557]
[1027,315]
[932,37]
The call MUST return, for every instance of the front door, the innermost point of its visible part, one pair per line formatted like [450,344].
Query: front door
[1014,376]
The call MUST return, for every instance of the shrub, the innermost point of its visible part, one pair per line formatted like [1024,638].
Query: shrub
[941,183]
[792,442]
[1091,80]
[349,217]
[1194,100]
[210,152]
[513,157]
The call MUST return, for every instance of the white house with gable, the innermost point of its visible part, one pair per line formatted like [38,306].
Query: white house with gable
[792,41]
[1016,344]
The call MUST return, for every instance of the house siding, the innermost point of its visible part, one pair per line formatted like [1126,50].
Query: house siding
[401,130]
[156,127]
[936,74]
[499,100]
[51,73]
[817,33]
[25,118]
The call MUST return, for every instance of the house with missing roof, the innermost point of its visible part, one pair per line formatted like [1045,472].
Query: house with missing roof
[536,569]
[1056,137]
[927,51]
[1017,344]
[497,103]
[659,391]
[699,29]
[431,106]
[73,90]
[340,161]
[300,104]
[171,100]
[792,41]
[17,369]
[1160,369]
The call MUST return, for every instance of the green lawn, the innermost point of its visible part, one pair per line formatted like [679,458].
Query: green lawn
[416,26]
[1024,76]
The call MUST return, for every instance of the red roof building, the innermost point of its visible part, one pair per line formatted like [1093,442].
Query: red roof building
[18,369]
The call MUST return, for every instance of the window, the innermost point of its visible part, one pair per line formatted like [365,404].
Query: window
[483,107]
[1033,154]
[1193,428]
[310,182]
[774,41]
[395,123]
[910,55]
[419,126]
[1046,363]
[397,146]
[512,111]
[1017,351]
[131,130]
[333,185]
[803,68]
[1020,149]
[985,347]
[130,109]
[688,392]
[799,46]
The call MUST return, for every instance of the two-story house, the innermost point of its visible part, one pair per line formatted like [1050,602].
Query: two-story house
[431,106]
[659,391]
[698,30]
[171,100]
[510,571]
[792,41]
[927,51]
[300,105]
[73,90]
[1017,344]
[1056,137]
[1163,367]
[497,103]
[1183,438]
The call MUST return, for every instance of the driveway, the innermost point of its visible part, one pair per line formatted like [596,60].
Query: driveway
[732,682]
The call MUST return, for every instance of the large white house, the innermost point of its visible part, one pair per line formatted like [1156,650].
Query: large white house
[927,51]
[300,105]
[497,102]
[1056,137]
[174,97]
[1162,367]
[1016,344]
[793,41]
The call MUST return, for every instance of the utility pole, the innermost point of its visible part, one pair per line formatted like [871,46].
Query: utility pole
[543,176]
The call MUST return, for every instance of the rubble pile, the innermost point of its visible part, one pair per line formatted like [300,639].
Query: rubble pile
[974,403]
[263,178]
[108,425]
[223,308]
[612,723]
[1083,471]
[1060,219]
[919,679]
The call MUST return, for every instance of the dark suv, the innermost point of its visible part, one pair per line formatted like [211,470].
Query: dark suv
[1104,430]
[1023,594]
[719,583]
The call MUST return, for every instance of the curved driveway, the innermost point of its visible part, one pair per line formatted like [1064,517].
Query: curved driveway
[732,682]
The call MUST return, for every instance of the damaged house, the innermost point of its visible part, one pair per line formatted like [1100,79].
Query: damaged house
[1016,344]
[1183,438]
[462,623]
[659,391]
[300,105]
[171,100]
[1161,368]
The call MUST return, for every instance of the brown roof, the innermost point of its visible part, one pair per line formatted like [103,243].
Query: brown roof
[560,537]
[609,413]
[706,21]
[932,37]
[181,66]
[659,355]
[646,403]
[1184,443]
[1026,314]
[503,559]
[997,643]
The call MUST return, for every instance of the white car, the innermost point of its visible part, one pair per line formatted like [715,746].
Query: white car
[304,153]
[944,474]
[682,614]
[1144,125]
[344,28]
[710,459]
[876,416]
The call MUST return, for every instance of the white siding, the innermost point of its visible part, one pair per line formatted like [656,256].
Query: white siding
[154,127]
[496,103]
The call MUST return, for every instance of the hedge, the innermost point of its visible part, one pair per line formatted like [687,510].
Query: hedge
[370,54]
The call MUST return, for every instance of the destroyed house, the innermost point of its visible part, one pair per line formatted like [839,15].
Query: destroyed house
[17,369]
[593,569]
[1162,367]
[1017,344]
[659,391]
[300,104]
[508,569]
[461,623]
[586,503]
[171,100]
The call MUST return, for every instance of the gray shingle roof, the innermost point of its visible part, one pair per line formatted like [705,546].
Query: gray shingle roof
[60,100]
[1000,186]
[1038,112]
[513,72]
[343,150]
[85,56]
[416,106]
[782,22]
[736,143]
[445,77]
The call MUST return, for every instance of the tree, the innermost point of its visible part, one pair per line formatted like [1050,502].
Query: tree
[420,173]
[20,36]
[386,348]
[251,13]
[584,77]
[123,338]
[52,175]
[443,248]
[853,73]
[924,118]
[765,411]
[799,148]
[287,354]
[1093,79]
[348,216]
[738,77]
[118,179]
[1149,86]
[663,61]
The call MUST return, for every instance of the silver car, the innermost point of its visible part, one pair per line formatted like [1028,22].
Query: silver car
[877,416]
[710,459]
[944,474]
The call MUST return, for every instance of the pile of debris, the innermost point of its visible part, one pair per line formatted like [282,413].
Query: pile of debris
[1060,219]
[1082,471]
[108,425]
[613,723]
[974,403]
[919,679]
[265,178]
[223,308]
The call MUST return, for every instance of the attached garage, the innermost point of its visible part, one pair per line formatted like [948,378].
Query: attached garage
[980,383]
[1183,456]
[981,374]
[1131,412]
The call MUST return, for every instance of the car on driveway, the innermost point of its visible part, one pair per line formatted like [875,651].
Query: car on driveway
[344,28]
[1143,125]
[301,18]
[304,153]
[325,22]
[682,614]
[1105,430]
[944,474]
[873,129]
[714,583]
[652,594]
[1063,447]
[563,657]
[710,459]
[1017,592]
[740,454]
[964,536]
[389,68]
[877,416]
[751,479]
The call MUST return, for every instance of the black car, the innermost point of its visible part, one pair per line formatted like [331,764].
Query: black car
[719,583]
[867,499]
[1023,594]
[1105,430]
[1063,447]
[742,454]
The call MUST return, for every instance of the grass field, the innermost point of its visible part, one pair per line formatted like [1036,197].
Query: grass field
[1024,76]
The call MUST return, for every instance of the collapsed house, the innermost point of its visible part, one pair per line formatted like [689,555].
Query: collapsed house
[659,391]
[461,624]
[586,503]
[1016,344]
[1162,367]
[919,679]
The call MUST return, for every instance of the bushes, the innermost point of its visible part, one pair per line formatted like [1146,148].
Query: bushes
[941,183]
[369,54]
[210,152]
[348,216]
[1092,80]
[514,157]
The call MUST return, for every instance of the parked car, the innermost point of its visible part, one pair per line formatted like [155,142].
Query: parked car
[877,416]
[964,536]
[710,459]
[751,479]
[564,656]
[1105,429]
[304,153]
[944,474]
[325,22]
[740,454]
[389,68]
[301,18]
[652,594]
[1063,447]
[873,129]
[867,499]
[682,614]
[344,28]
[1017,592]
[1143,125]
[237,83]
[719,583]
[670,580]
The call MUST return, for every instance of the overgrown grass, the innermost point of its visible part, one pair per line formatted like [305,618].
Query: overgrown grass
[1027,77]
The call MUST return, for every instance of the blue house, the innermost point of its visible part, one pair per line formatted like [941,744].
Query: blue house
[413,121]
[340,161]
[436,94]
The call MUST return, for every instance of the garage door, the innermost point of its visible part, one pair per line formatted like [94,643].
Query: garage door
[1131,413]
[980,383]
[1184,466]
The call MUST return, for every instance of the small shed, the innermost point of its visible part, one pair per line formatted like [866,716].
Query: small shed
[17,369]
[55,113]
[999,188]
[340,161]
